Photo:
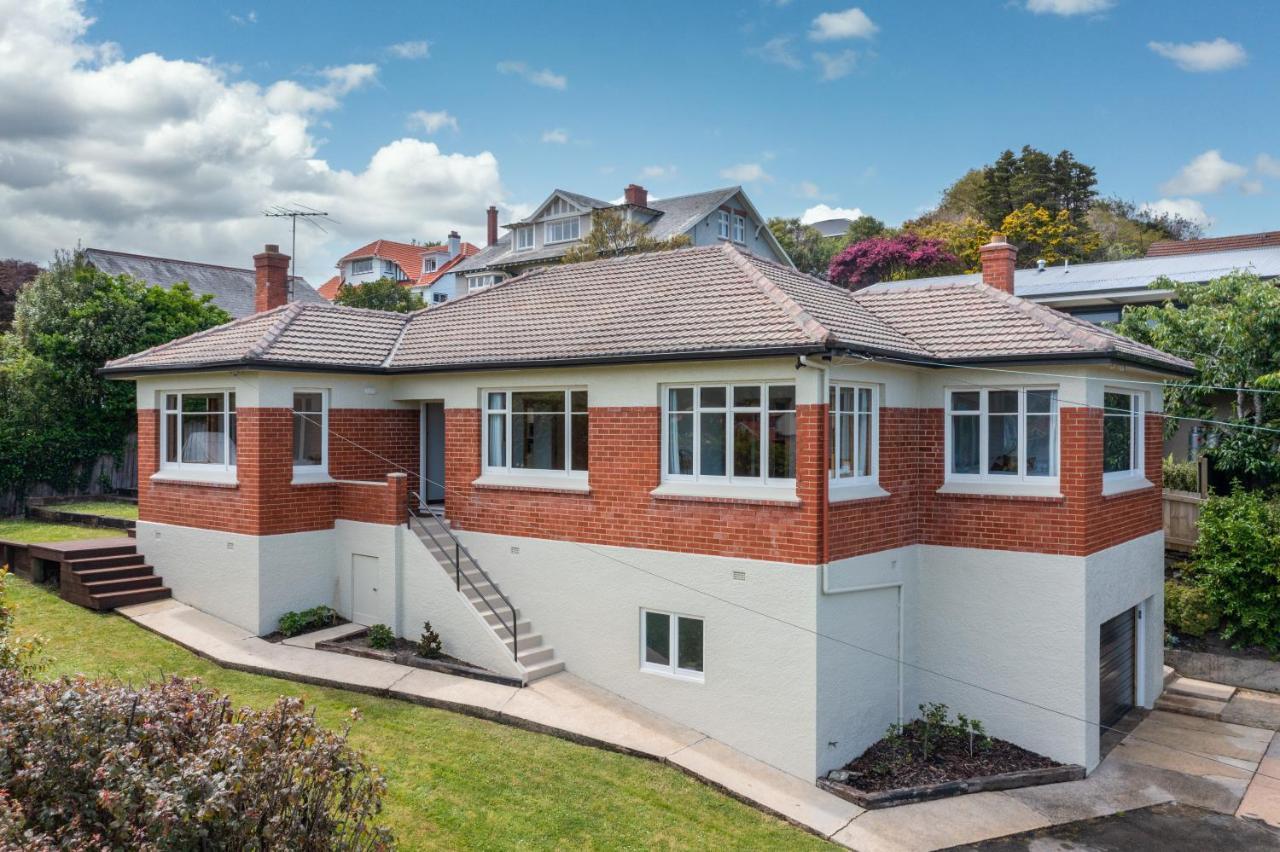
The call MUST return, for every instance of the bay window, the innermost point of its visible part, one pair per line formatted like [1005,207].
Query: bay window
[198,431]
[730,433]
[671,644]
[1002,435]
[310,432]
[852,434]
[536,432]
[1121,434]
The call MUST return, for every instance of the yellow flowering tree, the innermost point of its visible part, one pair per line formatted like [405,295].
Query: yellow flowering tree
[962,237]
[1053,237]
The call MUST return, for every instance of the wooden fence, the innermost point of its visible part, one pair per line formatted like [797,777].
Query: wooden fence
[107,475]
[1181,520]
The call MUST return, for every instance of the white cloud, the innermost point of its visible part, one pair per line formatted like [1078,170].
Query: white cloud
[251,17]
[432,122]
[837,65]
[658,172]
[1267,165]
[546,78]
[778,51]
[819,212]
[411,49]
[177,158]
[557,136]
[851,23]
[1216,55]
[1067,8]
[1187,208]
[1206,173]
[746,173]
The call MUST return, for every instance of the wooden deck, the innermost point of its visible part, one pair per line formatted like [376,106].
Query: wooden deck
[100,573]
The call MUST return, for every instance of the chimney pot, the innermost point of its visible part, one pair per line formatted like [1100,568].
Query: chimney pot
[636,195]
[271,248]
[270,279]
[999,259]
[493,225]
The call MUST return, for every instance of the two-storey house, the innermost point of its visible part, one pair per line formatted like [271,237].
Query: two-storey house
[425,269]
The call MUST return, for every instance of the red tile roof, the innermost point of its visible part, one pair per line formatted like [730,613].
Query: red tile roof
[329,289]
[408,257]
[1165,248]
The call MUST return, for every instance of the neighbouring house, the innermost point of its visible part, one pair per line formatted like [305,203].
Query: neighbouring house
[233,289]
[721,216]
[832,227]
[425,269]
[776,511]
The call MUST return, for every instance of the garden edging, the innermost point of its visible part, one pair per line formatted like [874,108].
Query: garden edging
[945,789]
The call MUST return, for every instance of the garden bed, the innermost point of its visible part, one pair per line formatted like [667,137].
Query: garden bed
[959,758]
[109,512]
[404,653]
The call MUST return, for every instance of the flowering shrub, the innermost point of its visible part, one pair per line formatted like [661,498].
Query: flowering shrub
[906,255]
[88,764]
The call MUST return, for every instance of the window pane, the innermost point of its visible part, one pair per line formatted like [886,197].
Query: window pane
[657,638]
[1002,402]
[1002,444]
[847,396]
[578,401]
[1117,403]
[1041,401]
[680,444]
[847,429]
[497,401]
[537,401]
[171,402]
[497,440]
[746,396]
[537,440]
[308,402]
[862,454]
[580,440]
[965,401]
[713,397]
[171,437]
[689,639]
[746,443]
[864,399]
[307,439]
[202,402]
[231,429]
[1040,449]
[782,398]
[711,443]
[1118,433]
[680,399]
[202,438]
[782,446]
[965,451]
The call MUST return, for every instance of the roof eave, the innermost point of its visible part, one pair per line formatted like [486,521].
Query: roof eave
[1047,358]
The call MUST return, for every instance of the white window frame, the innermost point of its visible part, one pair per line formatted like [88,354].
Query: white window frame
[1137,438]
[833,431]
[1021,477]
[739,228]
[304,471]
[428,264]
[722,224]
[362,266]
[673,669]
[729,409]
[520,238]
[509,470]
[575,220]
[391,269]
[481,282]
[228,466]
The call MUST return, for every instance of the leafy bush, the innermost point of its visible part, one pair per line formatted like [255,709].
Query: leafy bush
[16,654]
[381,637]
[430,646]
[293,623]
[1238,566]
[926,736]
[1181,476]
[88,764]
[1188,610]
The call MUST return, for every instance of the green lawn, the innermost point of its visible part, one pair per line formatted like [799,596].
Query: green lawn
[454,782]
[105,508]
[17,529]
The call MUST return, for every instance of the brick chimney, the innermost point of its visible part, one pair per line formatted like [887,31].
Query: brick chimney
[493,224]
[455,244]
[271,279]
[637,195]
[998,262]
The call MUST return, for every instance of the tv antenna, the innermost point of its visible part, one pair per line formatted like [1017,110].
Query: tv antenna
[310,215]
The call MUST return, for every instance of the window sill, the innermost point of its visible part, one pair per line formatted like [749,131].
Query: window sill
[779,494]
[846,493]
[674,675]
[1003,489]
[218,479]
[1124,484]
[562,484]
[321,477]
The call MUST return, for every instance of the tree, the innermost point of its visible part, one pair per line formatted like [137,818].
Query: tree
[1230,329]
[56,413]
[804,244]
[963,199]
[962,237]
[385,294]
[864,228]
[1052,237]
[1033,177]
[906,255]
[612,235]
[1125,231]
[13,275]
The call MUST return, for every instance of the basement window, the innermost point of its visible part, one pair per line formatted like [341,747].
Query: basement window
[671,644]
[1002,435]
[198,431]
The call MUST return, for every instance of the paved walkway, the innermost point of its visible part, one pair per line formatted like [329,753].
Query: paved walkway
[1151,766]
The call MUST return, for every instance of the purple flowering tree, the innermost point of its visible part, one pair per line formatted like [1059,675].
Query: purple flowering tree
[876,259]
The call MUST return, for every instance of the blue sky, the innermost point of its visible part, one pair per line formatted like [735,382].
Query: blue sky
[876,106]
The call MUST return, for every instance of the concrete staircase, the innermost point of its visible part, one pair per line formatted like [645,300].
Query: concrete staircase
[103,574]
[1192,697]
[535,657]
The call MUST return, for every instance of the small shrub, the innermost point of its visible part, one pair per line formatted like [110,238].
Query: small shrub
[1238,566]
[1188,609]
[1180,476]
[294,623]
[381,637]
[16,654]
[88,764]
[430,646]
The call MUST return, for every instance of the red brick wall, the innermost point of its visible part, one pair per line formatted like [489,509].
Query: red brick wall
[881,523]
[265,501]
[625,467]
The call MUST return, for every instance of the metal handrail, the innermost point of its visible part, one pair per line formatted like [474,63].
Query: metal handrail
[460,550]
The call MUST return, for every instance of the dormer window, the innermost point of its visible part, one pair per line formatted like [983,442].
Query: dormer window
[562,231]
[362,266]
[428,264]
[524,238]
[723,224]
[739,229]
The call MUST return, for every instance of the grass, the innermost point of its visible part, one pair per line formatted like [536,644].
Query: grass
[17,529]
[105,508]
[454,782]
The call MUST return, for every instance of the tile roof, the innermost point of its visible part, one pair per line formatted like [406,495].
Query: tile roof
[232,288]
[408,256]
[1164,248]
[329,289]
[711,301]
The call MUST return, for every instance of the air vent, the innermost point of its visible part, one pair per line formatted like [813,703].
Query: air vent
[739,575]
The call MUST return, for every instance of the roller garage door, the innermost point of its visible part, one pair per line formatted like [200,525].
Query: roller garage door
[1116,669]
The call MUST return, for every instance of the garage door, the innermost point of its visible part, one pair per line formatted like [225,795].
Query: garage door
[1116,666]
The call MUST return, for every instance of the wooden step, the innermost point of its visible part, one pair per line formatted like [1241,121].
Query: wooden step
[93,562]
[65,551]
[124,584]
[111,600]
[118,573]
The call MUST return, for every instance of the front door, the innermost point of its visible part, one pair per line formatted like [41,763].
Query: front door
[433,451]
[365,601]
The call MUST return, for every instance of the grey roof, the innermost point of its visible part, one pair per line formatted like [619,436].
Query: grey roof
[1130,277]
[576,197]
[641,308]
[232,289]
[832,227]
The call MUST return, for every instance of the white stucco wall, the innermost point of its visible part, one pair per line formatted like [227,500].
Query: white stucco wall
[213,571]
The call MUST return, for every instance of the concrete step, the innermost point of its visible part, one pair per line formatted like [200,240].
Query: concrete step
[118,573]
[93,563]
[112,600]
[1205,708]
[123,584]
[541,670]
[534,656]
[1169,675]
[528,641]
[1201,689]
